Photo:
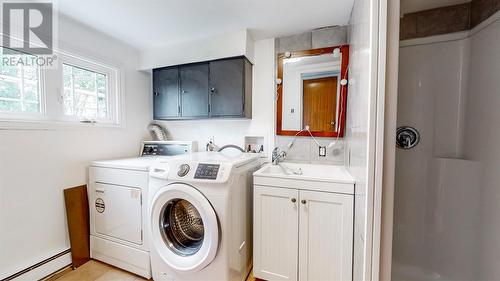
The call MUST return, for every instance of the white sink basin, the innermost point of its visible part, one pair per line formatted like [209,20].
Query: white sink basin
[328,178]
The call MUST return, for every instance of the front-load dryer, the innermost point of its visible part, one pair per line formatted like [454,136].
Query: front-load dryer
[118,193]
[201,217]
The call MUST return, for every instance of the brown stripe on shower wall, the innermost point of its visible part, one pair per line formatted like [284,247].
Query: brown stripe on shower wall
[436,21]
[482,9]
[447,19]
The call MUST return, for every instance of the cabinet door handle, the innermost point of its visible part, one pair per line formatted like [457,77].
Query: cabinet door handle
[212,90]
[303,201]
[293,200]
[156,93]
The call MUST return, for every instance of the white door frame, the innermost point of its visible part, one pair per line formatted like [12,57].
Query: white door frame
[382,162]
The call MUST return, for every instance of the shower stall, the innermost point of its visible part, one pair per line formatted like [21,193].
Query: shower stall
[447,184]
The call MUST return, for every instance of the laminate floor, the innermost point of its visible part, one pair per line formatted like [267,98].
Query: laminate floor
[98,271]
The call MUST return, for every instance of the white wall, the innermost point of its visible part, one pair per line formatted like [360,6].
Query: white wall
[233,131]
[481,139]
[36,165]
[363,27]
[231,44]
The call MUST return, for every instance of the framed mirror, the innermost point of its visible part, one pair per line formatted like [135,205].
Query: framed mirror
[312,91]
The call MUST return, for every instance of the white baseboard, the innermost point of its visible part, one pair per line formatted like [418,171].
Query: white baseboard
[43,269]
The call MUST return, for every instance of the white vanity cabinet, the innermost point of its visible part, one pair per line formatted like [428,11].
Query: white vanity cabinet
[276,233]
[325,236]
[301,234]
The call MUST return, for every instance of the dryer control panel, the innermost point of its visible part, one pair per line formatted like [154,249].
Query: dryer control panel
[167,148]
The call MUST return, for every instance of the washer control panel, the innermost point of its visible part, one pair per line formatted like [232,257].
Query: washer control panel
[207,171]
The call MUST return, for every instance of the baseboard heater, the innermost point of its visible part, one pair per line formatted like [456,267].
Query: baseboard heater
[40,264]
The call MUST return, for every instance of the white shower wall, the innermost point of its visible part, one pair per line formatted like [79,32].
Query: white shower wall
[482,139]
[446,223]
[433,234]
[432,90]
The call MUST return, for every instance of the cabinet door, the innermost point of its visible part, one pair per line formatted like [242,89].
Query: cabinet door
[275,233]
[326,235]
[166,93]
[227,88]
[194,90]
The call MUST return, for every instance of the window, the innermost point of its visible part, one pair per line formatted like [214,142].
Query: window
[85,93]
[19,85]
[73,90]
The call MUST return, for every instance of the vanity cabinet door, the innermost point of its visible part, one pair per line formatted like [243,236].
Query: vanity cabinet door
[326,236]
[194,90]
[275,233]
[227,87]
[166,93]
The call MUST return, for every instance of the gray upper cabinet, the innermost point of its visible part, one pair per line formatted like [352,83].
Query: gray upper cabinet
[215,89]
[227,87]
[166,93]
[194,90]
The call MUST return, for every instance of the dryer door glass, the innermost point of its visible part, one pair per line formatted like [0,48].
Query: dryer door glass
[181,227]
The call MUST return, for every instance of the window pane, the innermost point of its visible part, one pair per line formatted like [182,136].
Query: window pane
[68,102]
[31,92]
[32,107]
[102,103]
[84,79]
[67,76]
[9,89]
[10,106]
[19,83]
[85,93]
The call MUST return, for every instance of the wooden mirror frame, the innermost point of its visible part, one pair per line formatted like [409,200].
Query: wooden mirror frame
[344,49]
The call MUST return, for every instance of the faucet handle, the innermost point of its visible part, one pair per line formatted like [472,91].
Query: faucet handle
[275,151]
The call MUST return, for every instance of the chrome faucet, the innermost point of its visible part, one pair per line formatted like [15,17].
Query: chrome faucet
[278,156]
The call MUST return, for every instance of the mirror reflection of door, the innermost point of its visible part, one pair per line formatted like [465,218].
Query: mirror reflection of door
[320,103]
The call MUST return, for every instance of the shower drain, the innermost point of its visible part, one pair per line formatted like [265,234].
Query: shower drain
[407,137]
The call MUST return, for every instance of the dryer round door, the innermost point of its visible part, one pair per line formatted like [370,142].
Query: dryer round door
[185,229]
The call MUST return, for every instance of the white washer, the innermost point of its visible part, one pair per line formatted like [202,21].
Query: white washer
[201,217]
[117,192]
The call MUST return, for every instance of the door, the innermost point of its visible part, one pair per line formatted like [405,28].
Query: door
[184,228]
[166,93]
[325,236]
[320,104]
[227,87]
[118,212]
[275,233]
[194,90]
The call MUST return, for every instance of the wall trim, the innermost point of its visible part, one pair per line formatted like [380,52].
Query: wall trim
[43,268]
[435,39]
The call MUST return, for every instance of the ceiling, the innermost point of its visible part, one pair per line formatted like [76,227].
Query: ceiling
[410,6]
[147,24]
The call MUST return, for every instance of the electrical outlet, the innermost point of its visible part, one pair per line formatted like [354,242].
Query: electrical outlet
[322,151]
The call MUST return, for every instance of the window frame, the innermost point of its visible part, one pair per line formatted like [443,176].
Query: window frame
[51,91]
[13,116]
[113,83]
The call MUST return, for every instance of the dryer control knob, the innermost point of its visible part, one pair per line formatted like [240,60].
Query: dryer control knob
[183,170]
